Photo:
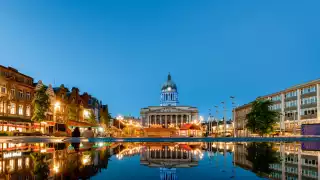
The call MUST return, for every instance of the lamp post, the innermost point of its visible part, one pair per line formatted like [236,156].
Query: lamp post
[233,115]
[209,122]
[217,115]
[224,119]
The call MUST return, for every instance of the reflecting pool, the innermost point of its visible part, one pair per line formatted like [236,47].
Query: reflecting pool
[164,161]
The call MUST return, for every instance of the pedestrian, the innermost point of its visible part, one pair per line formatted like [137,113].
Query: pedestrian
[76,132]
[88,133]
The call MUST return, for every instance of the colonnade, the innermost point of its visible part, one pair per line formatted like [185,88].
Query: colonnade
[166,120]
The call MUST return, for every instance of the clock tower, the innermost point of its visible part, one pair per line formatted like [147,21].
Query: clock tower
[169,93]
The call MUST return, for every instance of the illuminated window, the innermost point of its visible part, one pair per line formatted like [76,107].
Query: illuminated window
[27,163]
[13,108]
[13,92]
[28,110]
[21,94]
[20,109]
[19,164]
[3,89]
[2,107]
[28,96]
[11,165]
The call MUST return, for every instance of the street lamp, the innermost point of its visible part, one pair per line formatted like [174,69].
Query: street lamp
[233,115]
[217,115]
[224,118]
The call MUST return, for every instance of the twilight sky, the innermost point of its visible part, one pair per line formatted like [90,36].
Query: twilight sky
[121,51]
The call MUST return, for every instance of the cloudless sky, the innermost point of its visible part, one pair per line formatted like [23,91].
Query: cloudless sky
[121,51]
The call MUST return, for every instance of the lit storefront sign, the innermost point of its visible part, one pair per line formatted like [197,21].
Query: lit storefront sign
[12,154]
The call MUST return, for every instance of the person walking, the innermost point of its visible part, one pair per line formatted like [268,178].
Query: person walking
[88,133]
[76,133]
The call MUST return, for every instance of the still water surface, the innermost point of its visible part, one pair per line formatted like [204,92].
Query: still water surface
[164,161]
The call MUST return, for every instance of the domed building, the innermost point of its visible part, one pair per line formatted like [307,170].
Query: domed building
[169,93]
[170,118]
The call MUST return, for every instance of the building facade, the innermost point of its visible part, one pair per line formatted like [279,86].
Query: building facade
[169,117]
[16,93]
[298,105]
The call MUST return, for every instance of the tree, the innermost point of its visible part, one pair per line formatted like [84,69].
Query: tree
[262,155]
[262,119]
[92,118]
[105,118]
[41,168]
[72,112]
[41,104]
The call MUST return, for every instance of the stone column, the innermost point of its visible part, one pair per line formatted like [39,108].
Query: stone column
[299,105]
[161,120]
[299,163]
[282,118]
[166,122]
[176,120]
[190,119]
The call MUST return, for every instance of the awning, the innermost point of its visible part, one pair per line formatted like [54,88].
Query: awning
[14,119]
[185,147]
[80,124]
[159,129]
[190,126]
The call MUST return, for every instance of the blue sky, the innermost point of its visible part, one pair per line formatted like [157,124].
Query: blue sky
[121,51]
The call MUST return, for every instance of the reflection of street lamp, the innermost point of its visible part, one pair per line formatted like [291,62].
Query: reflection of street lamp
[56,168]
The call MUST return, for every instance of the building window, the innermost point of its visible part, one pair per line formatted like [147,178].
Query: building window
[62,96]
[309,89]
[291,94]
[20,109]
[309,100]
[12,108]
[28,96]
[2,107]
[276,98]
[3,89]
[28,110]
[13,92]
[21,94]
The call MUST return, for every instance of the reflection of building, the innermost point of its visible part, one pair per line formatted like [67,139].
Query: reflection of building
[298,105]
[16,91]
[170,156]
[16,161]
[168,118]
[296,163]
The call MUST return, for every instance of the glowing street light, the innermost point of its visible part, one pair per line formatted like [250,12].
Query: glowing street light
[86,113]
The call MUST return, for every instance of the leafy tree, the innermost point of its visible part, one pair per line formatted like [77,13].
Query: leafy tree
[262,155]
[92,118]
[41,168]
[262,119]
[41,104]
[72,112]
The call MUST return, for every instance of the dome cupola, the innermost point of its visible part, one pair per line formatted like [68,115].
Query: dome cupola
[169,93]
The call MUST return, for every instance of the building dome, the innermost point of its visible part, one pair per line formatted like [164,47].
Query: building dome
[169,93]
[169,85]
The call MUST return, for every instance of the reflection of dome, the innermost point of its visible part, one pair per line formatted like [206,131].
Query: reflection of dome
[169,84]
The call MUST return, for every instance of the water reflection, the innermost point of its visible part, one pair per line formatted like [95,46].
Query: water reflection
[170,160]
